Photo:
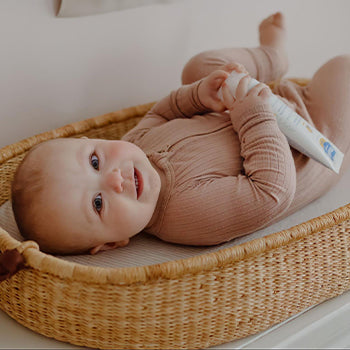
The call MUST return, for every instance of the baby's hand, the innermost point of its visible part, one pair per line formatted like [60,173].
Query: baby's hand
[259,94]
[210,85]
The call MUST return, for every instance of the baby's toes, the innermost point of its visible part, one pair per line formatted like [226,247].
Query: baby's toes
[278,20]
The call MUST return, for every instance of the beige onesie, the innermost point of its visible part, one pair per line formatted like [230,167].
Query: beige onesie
[224,178]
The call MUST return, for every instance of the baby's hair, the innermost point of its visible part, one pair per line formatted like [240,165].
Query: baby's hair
[27,185]
[28,190]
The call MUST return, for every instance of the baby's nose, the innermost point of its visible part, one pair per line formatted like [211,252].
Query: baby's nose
[114,180]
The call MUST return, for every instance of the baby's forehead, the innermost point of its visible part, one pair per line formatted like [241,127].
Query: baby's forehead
[58,145]
[53,156]
[56,150]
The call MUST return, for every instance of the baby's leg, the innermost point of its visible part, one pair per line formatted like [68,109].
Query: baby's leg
[327,100]
[264,63]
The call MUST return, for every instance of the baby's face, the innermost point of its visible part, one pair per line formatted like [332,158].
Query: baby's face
[99,192]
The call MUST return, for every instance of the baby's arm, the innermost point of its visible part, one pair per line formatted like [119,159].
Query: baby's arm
[216,210]
[196,98]
[181,103]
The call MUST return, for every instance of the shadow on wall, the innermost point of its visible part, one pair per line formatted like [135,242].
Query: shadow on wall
[76,8]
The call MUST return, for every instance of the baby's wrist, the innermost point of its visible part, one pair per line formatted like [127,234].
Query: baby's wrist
[260,111]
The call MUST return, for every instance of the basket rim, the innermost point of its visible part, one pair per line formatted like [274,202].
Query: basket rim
[174,269]
[17,148]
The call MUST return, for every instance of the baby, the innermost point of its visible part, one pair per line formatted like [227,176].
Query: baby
[195,170]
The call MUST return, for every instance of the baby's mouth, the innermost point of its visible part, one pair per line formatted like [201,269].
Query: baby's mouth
[138,182]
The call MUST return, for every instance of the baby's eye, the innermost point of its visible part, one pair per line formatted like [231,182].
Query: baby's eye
[94,161]
[97,203]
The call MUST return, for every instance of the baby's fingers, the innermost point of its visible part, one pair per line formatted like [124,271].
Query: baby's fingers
[265,92]
[242,88]
[257,89]
[238,67]
[228,99]
[218,77]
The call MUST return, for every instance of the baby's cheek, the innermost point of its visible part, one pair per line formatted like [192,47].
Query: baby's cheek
[134,217]
[123,149]
[115,149]
[122,216]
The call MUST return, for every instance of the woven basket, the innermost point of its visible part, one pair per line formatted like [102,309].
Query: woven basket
[193,303]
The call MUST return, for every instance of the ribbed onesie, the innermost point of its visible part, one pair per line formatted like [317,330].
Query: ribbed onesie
[226,176]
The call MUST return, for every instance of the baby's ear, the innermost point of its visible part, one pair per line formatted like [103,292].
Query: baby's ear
[108,246]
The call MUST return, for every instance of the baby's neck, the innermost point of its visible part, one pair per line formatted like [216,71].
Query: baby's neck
[160,206]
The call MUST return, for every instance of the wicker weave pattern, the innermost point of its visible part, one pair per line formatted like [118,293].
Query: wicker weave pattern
[195,311]
[190,304]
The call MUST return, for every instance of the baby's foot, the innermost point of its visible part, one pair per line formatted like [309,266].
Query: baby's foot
[273,34]
[272,31]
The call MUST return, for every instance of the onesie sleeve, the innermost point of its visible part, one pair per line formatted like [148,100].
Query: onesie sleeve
[218,209]
[181,103]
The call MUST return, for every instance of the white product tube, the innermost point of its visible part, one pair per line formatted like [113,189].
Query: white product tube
[300,134]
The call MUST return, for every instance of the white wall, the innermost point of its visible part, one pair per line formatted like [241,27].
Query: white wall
[58,70]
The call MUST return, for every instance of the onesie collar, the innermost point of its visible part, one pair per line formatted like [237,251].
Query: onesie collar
[160,162]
